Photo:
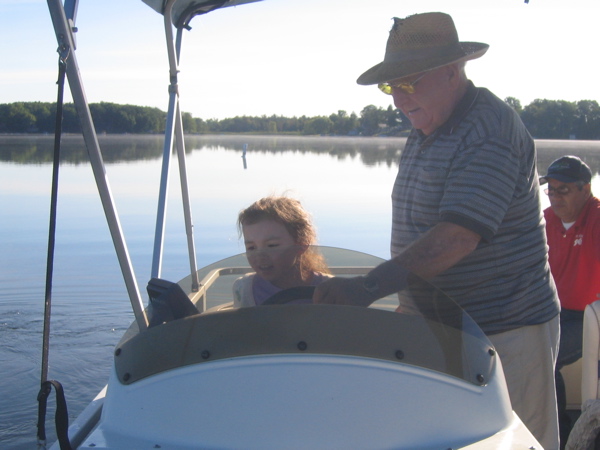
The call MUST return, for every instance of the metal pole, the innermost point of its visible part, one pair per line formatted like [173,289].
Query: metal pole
[64,36]
[159,233]
[185,194]
[173,129]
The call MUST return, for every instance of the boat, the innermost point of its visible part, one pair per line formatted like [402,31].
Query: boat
[301,376]
[192,371]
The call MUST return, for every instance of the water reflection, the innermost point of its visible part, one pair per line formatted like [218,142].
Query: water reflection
[38,149]
[349,214]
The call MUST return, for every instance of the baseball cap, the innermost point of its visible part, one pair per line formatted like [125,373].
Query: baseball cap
[568,169]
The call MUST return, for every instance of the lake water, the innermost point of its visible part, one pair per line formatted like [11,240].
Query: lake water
[344,182]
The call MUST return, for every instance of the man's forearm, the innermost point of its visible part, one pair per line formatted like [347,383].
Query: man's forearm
[436,251]
[439,249]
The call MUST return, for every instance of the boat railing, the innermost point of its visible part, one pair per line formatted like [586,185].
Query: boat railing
[199,297]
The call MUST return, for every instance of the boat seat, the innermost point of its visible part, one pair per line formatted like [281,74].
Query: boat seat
[168,302]
[572,376]
[586,431]
[590,386]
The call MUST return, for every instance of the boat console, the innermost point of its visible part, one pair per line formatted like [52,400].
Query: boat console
[310,376]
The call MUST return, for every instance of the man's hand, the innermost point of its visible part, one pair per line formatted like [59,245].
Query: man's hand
[343,291]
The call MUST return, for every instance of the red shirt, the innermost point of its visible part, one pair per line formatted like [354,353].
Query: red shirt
[574,256]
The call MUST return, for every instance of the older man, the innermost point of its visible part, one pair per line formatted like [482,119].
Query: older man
[573,232]
[466,211]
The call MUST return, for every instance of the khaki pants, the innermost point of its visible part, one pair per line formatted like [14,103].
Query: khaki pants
[528,357]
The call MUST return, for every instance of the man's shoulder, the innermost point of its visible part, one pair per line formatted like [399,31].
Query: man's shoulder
[591,221]
[487,99]
[492,118]
[594,209]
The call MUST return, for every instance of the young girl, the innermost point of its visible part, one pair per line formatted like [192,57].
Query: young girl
[278,235]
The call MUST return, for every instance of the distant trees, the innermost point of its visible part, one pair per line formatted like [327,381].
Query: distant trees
[545,119]
[318,125]
[515,104]
[587,120]
[248,124]
[558,119]
[551,119]
[38,117]
[18,118]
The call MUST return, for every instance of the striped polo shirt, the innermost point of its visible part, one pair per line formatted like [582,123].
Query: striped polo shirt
[479,171]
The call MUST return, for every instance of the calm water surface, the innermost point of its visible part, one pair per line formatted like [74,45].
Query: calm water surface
[344,182]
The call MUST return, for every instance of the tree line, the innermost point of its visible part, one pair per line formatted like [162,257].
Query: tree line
[545,119]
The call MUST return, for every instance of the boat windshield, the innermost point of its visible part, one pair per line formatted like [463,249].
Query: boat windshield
[430,332]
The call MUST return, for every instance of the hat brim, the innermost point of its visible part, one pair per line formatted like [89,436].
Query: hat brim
[559,177]
[383,71]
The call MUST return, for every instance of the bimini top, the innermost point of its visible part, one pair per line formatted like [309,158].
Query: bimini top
[184,10]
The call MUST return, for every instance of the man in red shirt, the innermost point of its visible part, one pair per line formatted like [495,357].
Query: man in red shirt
[573,233]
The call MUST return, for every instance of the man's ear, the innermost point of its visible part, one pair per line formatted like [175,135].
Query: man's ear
[453,74]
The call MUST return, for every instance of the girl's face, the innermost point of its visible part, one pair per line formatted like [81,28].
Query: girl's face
[272,253]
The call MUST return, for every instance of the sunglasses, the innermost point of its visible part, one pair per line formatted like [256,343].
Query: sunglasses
[561,190]
[407,88]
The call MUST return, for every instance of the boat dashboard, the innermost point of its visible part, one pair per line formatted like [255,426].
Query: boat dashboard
[305,375]
[436,334]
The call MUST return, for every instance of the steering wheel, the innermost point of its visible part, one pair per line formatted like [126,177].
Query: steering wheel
[289,295]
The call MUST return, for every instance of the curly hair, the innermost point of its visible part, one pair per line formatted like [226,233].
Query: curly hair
[296,220]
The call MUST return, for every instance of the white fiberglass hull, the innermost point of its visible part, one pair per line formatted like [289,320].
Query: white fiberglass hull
[206,381]
[291,401]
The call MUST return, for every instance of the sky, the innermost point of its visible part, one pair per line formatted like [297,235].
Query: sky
[293,57]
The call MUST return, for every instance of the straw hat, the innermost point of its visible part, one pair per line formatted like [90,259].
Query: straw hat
[419,43]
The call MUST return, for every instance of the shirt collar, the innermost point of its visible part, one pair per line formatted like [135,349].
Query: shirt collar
[461,110]
[580,218]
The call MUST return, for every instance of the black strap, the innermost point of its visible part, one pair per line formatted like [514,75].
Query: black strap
[52,222]
[61,417]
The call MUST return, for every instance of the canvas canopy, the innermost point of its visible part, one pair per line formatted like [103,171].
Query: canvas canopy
[185,10]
